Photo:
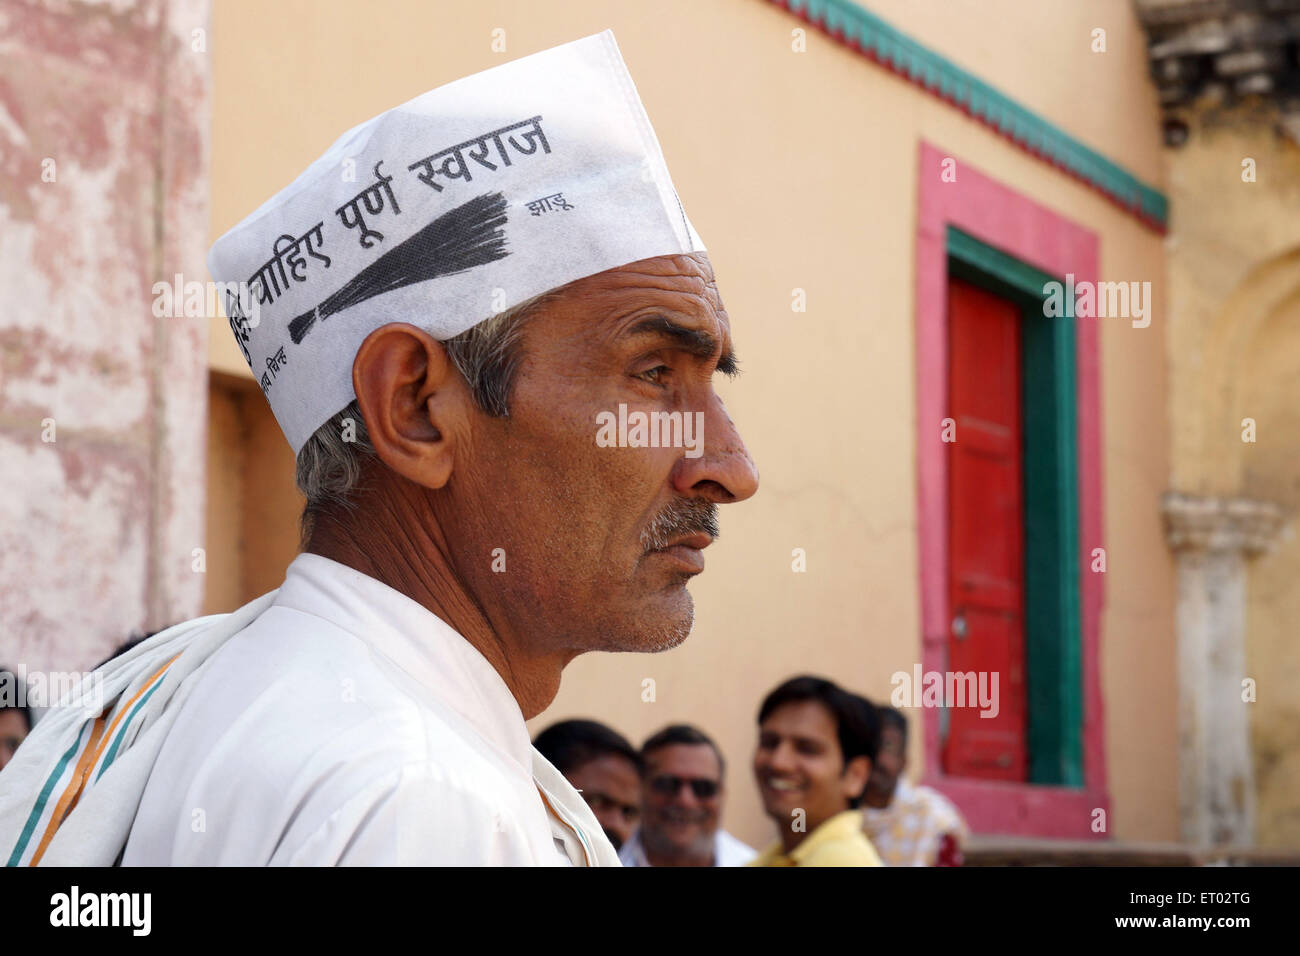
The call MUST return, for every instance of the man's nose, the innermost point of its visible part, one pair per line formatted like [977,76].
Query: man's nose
[781,758]
[722,471]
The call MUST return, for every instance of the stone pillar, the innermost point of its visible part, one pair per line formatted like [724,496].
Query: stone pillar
[1213,538]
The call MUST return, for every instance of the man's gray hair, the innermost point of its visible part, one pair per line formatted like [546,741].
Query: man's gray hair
[487,356]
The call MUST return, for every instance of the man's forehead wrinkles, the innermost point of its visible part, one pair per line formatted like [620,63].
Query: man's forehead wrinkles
[641,323]
[606,308]
[684,264]
[698,338]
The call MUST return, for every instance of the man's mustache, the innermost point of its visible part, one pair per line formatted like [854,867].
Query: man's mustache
[681,517]
[679,815]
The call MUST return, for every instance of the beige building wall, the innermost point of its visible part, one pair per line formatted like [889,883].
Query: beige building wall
[1272,397]
[1234,274]
[253,504]
[799,170]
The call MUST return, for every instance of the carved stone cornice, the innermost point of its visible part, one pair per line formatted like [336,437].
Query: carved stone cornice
[1208,58]
[1209,523]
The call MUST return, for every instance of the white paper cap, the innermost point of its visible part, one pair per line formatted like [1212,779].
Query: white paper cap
[442,212]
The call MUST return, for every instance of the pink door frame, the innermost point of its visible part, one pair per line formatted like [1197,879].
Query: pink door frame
[1006,220]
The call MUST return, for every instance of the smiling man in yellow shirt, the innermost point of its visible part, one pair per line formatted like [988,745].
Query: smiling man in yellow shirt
[816,745]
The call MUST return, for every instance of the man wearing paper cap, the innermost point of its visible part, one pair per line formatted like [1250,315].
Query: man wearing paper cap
[441,312]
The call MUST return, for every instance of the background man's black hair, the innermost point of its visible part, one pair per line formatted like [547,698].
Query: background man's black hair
[125,646]
[571,743]
[889,717]
[681,734]
[9,691]
[857,723]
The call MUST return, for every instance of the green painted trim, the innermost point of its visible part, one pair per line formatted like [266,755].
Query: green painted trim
[928,69]
[1021,278]
[1053,633]
[1052,620]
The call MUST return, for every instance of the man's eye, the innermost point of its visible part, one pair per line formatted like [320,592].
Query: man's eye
[654,375]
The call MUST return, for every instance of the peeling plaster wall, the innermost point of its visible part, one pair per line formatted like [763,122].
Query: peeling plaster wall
[104,113]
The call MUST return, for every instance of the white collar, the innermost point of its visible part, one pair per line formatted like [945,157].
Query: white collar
[632,853]
[416,640]
[433,654]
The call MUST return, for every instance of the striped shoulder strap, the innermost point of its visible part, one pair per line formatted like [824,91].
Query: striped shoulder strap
[92,752]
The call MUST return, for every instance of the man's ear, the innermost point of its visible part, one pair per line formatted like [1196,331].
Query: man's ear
[413,401]
[856,773]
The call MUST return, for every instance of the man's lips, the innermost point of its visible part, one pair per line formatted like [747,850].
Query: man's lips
[782,787]
[687,551]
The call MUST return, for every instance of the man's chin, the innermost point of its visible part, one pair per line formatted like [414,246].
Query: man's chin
[780,810]
[655,619]
[880,795]
[679,842]
[653,639]
[659,629]
[688,837]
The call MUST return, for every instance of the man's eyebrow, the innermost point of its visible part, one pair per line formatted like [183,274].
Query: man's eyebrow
[695,342]
[793,738]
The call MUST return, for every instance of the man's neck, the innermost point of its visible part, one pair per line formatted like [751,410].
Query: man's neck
[878,801]
[396,545]
[791,838]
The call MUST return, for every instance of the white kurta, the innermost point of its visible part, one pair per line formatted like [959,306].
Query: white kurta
[349,725]
[727,850]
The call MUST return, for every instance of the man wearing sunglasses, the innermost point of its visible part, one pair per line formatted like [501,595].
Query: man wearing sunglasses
[681,797]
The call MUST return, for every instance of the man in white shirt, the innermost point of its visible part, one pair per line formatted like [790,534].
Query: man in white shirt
[441,347]
[682,792]
[470,540]
[908,825]
[349,724]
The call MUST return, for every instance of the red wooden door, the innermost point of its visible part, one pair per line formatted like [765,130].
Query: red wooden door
[986,533]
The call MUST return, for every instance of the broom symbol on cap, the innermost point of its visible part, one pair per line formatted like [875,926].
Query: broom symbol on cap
[469,235]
